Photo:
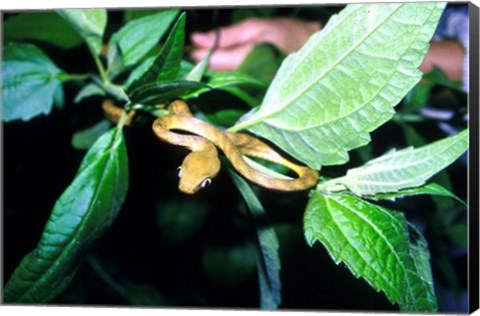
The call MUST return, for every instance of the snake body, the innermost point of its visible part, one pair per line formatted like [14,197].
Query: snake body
[202,164]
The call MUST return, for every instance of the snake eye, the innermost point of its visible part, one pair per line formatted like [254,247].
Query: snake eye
[179,172]
[206,182]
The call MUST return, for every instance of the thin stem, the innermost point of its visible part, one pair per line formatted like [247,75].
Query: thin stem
[101,69]
[105,276]
[121,123]
[112,88]
[77,77]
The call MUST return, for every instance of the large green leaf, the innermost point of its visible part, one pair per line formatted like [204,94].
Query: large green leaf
[402,169]
[89,24]
[139,36]
[41,26]
[81,215]
[30,82]
[268,262]
[374,243]
[166,64]
[345,81]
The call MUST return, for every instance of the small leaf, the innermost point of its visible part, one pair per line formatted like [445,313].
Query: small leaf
[229,81]
[344,82]
[84,139]
[89,24]
[199,70]
[59,97]
[268,264]
[139,36]
[80,216]
[114,61]
[374,244]
[402,169]
[41,26]
[166,64]
[431,189]
[30,82]
[89,90]
[159,92]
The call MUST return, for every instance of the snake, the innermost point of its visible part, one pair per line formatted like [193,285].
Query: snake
[202,164]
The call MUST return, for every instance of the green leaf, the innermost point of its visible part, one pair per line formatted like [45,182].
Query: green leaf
[59,97]
[139,70]
[89,24]
[139,36]
[430,188]
[84,139]
[80,216]
[166,64]
[262,62]
[89,90]
[30,82]
[268,264]
[344,82]
[159,92]
[230,82]
[114,61]
[185,67]
[373,242]
[420,274]
[402,169]
[41,26]
[224,117]
[419,95]
[133,13]
[413,138]
[199,70]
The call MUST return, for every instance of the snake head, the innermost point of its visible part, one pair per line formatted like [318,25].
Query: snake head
[197,171]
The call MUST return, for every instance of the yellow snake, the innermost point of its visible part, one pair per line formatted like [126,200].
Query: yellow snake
[201,165]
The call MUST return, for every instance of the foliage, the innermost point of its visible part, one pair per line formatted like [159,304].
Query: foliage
[323,102]
[82,213]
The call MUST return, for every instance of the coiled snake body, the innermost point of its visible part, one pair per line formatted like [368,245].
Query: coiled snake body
[201,165]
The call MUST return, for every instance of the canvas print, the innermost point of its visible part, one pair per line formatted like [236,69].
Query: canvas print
[268,158]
